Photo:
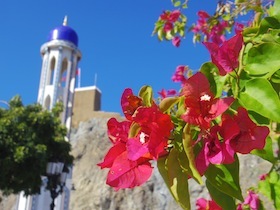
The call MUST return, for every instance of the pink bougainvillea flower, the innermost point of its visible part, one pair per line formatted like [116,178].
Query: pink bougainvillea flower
[238,28]
[176,41]
[168,26]
[174,15]
[203,204]
[165,93]
[118,131]
[170,16]
[125,173]
[216,146]
[216,35]
[118,134]
[203,14]
[129,103]
[171,92]
[252,200]
[263,177]
[201,106]
[112,154]
[226,56]
[251,136]
[155,128]
[179,75]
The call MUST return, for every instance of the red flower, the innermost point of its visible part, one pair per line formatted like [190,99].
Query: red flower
[226,56]
[155,130]
[176,41]
[112,154]
[252,201]
[202,14]
[179,75]
[216,147]
[168,26]
[200,103]
[124,172]
[165,93]
[203,204]
[118,131]
[128,158]
[170,16]
[251,136]
[129,103]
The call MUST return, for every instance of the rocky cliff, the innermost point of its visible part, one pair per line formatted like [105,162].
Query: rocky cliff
[90,144]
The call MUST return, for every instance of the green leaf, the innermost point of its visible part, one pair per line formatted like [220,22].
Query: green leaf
[175,178]
[177,4]
[223,200]
[133,130]
[188,147]
[275,9]
[276,77]
[267,24]
[160,33]
[226,178]
[267,152]
[260,97]
[270,187]
[216,81]
[146,93]
[167,103]
[263,60]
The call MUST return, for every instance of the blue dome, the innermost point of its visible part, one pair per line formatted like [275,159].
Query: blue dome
[65,33]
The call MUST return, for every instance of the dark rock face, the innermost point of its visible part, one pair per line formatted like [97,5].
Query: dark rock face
[90,192]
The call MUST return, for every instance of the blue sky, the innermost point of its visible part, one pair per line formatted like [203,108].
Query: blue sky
[114,38]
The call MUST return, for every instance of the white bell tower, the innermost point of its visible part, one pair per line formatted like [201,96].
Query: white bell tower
[60,56]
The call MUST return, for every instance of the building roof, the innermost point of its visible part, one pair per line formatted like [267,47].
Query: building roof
[64,33]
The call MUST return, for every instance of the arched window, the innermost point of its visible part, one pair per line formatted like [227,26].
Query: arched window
[50,80]
[47,103]
[63,73]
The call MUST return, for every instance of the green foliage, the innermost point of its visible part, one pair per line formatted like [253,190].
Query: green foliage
[270,187]
[29,138]
[267,152]
[146,93]
[216,81]
[175,178]
[227,202]
[259,96]
[188,147]
[226,178]
[263,60]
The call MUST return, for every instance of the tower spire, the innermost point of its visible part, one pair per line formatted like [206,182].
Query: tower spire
[65,20]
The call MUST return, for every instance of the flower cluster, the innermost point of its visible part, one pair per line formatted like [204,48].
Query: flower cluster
[225,57]
[235,133]
[252,201]
[231,105]
[140,138]
[171,26]
[169,19]
[213,32]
